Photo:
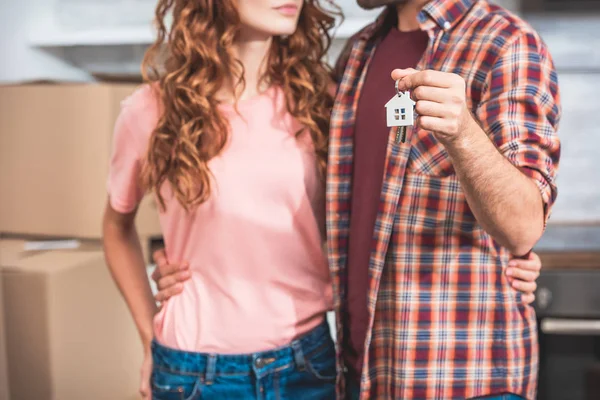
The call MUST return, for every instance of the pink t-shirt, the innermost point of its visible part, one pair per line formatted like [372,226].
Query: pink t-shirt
[259,274]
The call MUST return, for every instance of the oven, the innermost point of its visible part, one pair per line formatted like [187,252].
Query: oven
[568,309]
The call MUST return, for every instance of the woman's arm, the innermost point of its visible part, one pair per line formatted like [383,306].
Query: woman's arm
[125,260]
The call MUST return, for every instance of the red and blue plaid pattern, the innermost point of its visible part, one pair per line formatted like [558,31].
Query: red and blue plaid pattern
[445,324]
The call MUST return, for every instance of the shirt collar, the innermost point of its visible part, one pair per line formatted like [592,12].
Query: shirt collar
[444,14]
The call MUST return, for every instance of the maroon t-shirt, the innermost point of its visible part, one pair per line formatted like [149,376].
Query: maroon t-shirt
[396,50]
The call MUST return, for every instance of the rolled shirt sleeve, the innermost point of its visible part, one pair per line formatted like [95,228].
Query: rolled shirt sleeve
[520,110]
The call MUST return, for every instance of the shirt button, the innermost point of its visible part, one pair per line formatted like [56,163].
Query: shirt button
[447,25]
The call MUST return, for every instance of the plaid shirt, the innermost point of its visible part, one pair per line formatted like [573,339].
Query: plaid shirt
[444,322]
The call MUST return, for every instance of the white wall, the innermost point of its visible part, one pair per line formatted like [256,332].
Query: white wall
[19,61]
[21,19]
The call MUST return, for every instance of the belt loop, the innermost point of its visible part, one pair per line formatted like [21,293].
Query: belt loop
[211,365]
[298,355]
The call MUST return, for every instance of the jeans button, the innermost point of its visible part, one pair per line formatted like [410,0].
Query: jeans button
[259,363]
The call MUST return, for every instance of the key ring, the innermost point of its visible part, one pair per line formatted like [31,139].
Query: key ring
[398,90]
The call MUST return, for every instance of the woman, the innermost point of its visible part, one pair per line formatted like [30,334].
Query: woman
[230,135]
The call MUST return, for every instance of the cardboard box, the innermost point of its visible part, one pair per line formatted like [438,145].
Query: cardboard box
[9,254]
[69,334]
[55,145]
[34,245]
[3,364]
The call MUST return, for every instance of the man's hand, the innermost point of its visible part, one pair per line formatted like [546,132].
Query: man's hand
[169,278]
[522,275]
[441,101]
[488,178]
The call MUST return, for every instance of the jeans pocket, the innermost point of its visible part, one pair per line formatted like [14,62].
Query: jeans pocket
[321,362]
[171,385]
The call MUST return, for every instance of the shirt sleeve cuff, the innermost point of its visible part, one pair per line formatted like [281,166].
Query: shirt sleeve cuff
[545,188]
[120,203]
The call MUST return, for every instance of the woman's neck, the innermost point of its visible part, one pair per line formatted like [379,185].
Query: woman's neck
[252,53]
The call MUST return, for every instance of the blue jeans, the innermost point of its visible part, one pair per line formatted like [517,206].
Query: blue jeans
[303,370]
[352,389]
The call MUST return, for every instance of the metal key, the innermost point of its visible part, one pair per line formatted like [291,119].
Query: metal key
[400,134]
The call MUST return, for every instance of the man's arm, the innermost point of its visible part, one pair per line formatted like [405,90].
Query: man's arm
[505,156]
[506,203]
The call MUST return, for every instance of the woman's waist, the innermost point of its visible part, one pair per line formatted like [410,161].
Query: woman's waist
[243,363]
[239,319]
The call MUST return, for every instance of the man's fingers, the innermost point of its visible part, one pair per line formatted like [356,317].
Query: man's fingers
[533,263]
[401,73]
[431,109]
[169,269]
[523,286]
[528,298]
[436,124]
[167,282]
[166,294]
[160,257]
[172,279]
[534,257]
[425,78]
[522,274]
[428,93]
[429,123]
[156,275]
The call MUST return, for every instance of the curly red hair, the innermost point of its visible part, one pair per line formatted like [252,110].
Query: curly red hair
[199,63]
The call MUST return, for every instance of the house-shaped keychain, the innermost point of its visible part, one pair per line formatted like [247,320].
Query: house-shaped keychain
[400,110]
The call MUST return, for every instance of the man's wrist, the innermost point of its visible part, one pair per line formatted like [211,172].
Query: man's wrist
[469,136]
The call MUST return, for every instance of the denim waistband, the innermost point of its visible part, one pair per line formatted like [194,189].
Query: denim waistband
[258,364]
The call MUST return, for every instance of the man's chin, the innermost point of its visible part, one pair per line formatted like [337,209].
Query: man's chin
[371,4]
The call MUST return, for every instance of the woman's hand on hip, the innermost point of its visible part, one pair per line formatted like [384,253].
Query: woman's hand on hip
[522,275]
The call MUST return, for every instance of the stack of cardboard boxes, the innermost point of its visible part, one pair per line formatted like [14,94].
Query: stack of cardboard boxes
[4,394]
[65,332]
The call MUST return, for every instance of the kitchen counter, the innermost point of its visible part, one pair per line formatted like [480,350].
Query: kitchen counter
[570,260]
[570,238]
[570,247]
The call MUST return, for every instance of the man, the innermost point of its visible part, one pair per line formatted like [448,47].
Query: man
[418,258]
[473,183]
